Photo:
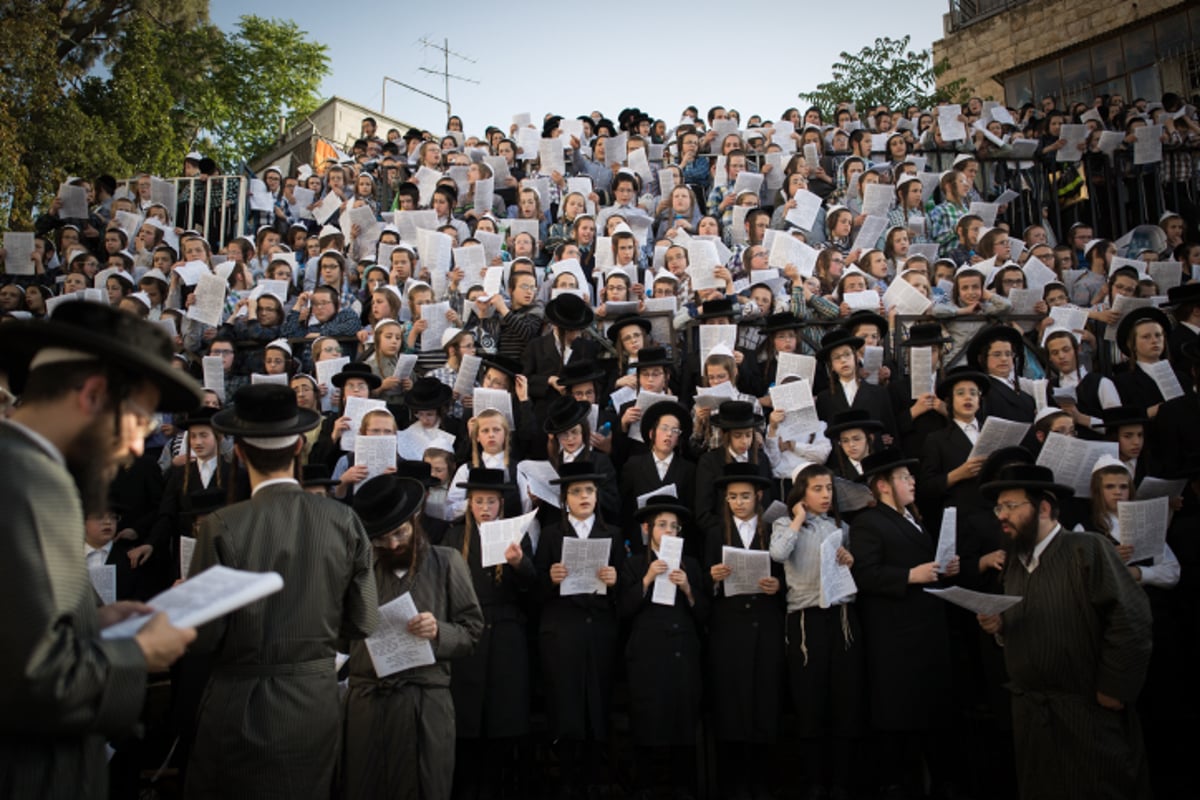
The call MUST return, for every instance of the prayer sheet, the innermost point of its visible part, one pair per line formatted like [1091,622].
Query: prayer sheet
[213,593]
[528,142]
[1166,274]
[922,375]
[703,260]
[583,558]
[214,375]
[472,261]
[392,648]
[435,249]
[1110,141]
[619,397]
[804,215]
[356,409]
[929,182]
[427,180]
[796,364]
[1151,487]
[369,228]
[786,250]
[713,335]
[879,142]
[669,491]
[1148,147]
[1073,318]
[130,223]
[877,199]
[905,298]
[404,365]
[191,272]
[484,196]
[104,581]
[997,433]
[260,196]
[535,477]
[497,535]
[949,125]
[616,149]
[712,397]
[868,235]
[210,300]
[639,163]
[867,299]
[979,602]
[1071,460]
[18,253]
[747,182]
[793,396]
[837,583]
[412,442]
[1037,274]
[947,546]
[498,399]
[328,206]
[164,192]
[376,453]
[671,551]
[747,567]
[774,178]
[1144,525]
[302,199]
[277,289]
[644,401]
[1164,378]
[434,315]
[851,495]
[811,157]
[258,377]
[328,368]
[1074,135]
[773,512]
[1023,300]
[986,212]
[187,546]
[468,371]
[872,363]
[74,202]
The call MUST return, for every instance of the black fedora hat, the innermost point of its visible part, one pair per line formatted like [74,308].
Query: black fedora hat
[200,416]
[316,475]
[624,321]
[565,413]
[885,460]
[428,394]
[925,334]
[1025,476]
[718,307]
[386,502]
[1133,318]
[735,415]
[485,479]
[569,312]
[509,366]
[737,472]
[265,409]
[1123,415]
[660,503]
[958,375]
[1180,295]
[653,357]
[417,470]
[357,369]
[662,408]
[1003,457]
[782,321]
[979,344]
[838,337]
[579,371]
[577,472]
[206,501]
[98,331]
[867,317]
[850,420]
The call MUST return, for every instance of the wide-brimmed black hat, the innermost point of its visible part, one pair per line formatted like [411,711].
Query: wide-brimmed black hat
[577,472]
[267,410]
[201,416]
[579,371]
[926,334]
[838,337]
[660,503]
[735,415]
[737,472]
[357,369]
[783,321]
[417,470]
[428,394]
[867,317]
[206,501]
[1001,458]
[717,307]
[1179,295]
[1123,415]
[316,475]
[386,502]
[850,420]
[652,415]
[1025,476]
[885,460]
[653,357]
[100,331]
[569,312]
[485,479]
[978,346]
[565,413]
[958,375]
[624,321]
[509,366]
[1136,316]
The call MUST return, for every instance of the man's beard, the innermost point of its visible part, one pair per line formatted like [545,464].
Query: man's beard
[391,560]
[1024,541]
[90,462]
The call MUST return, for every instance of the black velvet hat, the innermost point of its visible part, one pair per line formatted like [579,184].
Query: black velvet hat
[1025,476]
[201,416]
[958,375]
[577,472]
[579,371]
[660,503]
[316,475]
[625,320]
[569,312]
[850,420]
[737,472]
[838,337]
[565,413]
[428,394]
[386,502]
[357,369]
[885,461]
[735,415]
[1140,315]
[267,410]
[482,478]
[662,408]
[926,334]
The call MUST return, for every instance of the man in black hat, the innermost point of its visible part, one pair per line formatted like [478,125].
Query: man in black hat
[271,717]
[569,317]
[1184,304]
[666,427]
[89,382]
[399,732]
[1077,647]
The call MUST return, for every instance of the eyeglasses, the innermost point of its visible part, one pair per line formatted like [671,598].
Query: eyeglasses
[1003,509]
[966,393]
[316,303]
[581,491]
[221,352]
[1006,354]
[527,287]
[662,524]
[670,430]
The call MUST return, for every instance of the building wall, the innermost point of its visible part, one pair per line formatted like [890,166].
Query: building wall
[983,52]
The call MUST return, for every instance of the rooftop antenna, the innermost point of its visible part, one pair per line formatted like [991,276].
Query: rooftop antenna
[444,47]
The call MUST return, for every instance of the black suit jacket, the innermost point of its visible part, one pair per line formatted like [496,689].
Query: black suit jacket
[639,476]
[541,360]
[870,398]
[1003,401]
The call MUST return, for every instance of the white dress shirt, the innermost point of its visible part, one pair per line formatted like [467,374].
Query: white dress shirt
[971,429]
[851,389]
[583,527]
[746,530]
[1031,563]
[662,465]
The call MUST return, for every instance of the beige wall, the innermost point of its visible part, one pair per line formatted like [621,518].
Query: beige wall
[984,52]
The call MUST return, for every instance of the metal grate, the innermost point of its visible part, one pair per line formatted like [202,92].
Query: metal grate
[964,13]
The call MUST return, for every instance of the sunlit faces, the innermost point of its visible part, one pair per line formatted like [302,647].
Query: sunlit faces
[652,379]
[1148,341]
[203,442]
[999,359]
[854,283]
[665,524]
[305,395]
[194,249]
[571,439]
[581,499]
[495,379]
[964,400]
[485,506]
[389,339]
[626,250]
[708,227]
[616,288]
[869,333]
[632,339]
[741,440]
[784,341]
[970,288]
[818,494]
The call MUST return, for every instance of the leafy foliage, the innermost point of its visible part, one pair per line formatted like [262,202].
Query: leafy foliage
[885,73]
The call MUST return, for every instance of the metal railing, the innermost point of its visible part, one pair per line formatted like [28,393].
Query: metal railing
[216,207]
[964,13]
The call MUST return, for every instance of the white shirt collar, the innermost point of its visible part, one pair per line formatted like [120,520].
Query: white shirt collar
[39,440]
[741,459]
[273,482]
[746,530]
[1032,562]
[569,458]
[583,527]
[493,461]
[104,551]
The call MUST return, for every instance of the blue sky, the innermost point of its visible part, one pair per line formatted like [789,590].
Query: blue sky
[570,58]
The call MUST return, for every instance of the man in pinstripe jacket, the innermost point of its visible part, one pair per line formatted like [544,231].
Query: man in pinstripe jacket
[88,382]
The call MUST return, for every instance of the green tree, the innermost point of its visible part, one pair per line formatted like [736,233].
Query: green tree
[885,73]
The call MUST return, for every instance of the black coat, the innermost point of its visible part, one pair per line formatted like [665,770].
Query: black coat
[869,397]
[638,477]
[944,451]
[746,656]
[577,640]
[1003,401]
[662,656]
[491,685]
[904,628]
[1137,389]
[912,431]
[541,360]
[709,502]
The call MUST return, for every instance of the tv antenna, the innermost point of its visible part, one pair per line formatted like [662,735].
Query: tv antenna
[446,52]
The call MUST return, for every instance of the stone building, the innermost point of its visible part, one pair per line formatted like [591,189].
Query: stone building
[1022,50]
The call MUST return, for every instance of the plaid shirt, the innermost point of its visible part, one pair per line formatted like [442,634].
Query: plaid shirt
[943,219]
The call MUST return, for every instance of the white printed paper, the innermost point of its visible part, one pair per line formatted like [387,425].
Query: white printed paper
[868,235]
[1164,378]
[497,535]
[392,648]
[468,371]
[376,453]
[18,253]
[535,477]
[104,581]
[979,602]
[1144,525]
[187,547]
[1071,460]
[998,433]
[837,582]
[356,408]
[584,558]
[671,551]
[214,375]
[747,568]
[210,300]
[947,546]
